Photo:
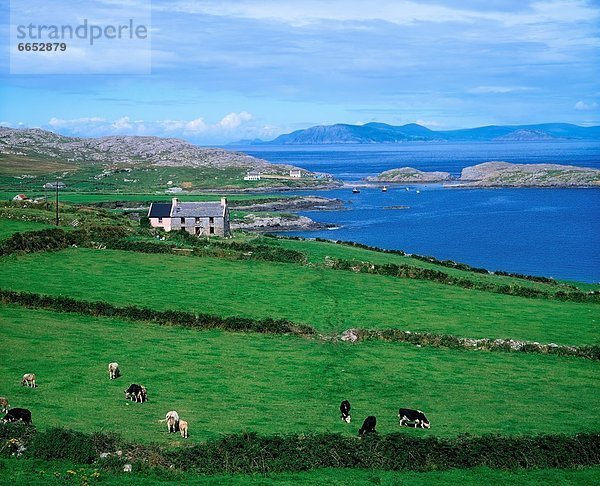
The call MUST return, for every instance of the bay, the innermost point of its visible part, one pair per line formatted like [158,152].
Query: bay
[549,232]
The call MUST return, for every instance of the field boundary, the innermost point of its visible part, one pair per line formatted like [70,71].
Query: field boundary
[253,453]
[201,321]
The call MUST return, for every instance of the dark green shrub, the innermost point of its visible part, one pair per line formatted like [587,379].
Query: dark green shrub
[59,443]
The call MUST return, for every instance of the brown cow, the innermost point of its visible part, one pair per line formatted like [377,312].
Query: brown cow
[28,380]
[4,404]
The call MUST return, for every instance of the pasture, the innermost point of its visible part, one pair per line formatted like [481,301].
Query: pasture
[11,226]
[329,300]
[28,472]
[230,382]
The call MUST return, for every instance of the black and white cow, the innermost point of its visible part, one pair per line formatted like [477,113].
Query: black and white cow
[414,416]
[16,414]
[345,411]
[368,425]
[137,393]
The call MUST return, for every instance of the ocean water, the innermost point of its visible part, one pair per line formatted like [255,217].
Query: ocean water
[549,232]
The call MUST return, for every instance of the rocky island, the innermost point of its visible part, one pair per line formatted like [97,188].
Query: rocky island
[504,174]
[499,174]
[410,175]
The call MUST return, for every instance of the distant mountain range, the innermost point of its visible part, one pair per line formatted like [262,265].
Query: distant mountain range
[383,133]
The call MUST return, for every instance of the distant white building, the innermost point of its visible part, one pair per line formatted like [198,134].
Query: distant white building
[252,176]
[53,185]
[20,197]
[297,173]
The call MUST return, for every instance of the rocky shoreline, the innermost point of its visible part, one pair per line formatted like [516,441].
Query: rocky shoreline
[271,224]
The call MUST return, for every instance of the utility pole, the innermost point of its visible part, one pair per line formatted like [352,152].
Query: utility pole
[46,195]
[56,202]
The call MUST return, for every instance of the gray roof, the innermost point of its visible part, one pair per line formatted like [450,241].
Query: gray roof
[197,210]
[159,210]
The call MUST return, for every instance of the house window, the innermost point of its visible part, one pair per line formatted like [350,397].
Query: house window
[211,220]
[160,220]
[212,230]
[182,220]
[197,220]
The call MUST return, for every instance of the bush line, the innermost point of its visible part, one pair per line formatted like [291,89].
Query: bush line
[454,342]
[145,314]
[408,271]
[282,326]
[251,453]
[430,259]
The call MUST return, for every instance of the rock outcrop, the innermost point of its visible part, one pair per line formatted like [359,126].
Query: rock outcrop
[410,175]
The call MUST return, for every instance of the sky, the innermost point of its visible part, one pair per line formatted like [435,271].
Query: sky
[214,72]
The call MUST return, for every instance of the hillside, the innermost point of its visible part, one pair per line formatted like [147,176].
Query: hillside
[384,133]
[28,156]
[500,174]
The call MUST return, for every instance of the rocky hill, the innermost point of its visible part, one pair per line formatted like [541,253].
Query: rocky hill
[500,174]
[124,150]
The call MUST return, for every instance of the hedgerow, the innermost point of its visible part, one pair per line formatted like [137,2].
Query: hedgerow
[282,326]
[167,317]
[253,453]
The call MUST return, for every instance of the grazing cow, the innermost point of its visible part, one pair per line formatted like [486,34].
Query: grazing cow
[415,416]
[183,428]
[3,404]
[113,370]
[345,411]
[28,380]
[137,393]
[368,425]
[172,419]
[15,414]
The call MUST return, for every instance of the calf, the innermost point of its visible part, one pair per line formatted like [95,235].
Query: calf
[15,414]
[3,404]
[172,419]
[415,416]
[137,393]
[113,371]
[28,380]
[345,411]
[183,428]
[368,425]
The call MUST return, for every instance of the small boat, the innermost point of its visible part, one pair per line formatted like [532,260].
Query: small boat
[407,189]
[418,192]
[384,189]
[356,190]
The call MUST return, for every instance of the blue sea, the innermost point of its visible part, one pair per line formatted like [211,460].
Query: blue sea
[549,232]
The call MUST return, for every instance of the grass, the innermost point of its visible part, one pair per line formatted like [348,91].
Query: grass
[318,251]
[32,472]
[11,226]
[331,301]
[227,382]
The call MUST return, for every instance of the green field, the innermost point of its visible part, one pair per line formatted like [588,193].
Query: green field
[11,226]
[329,300]
[30,472]
[230,382]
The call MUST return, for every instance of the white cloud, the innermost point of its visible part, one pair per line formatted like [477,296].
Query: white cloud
[428,124]
[499,89]
[123,123]
[234,120]
[583,106]
[230,126]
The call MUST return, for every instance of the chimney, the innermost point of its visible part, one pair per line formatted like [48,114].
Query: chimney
[223,201]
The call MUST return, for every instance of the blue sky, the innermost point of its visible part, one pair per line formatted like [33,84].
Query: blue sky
[226,70]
